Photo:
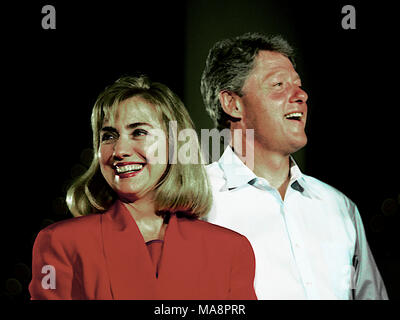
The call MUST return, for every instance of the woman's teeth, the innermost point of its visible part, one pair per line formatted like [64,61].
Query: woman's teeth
[129,167]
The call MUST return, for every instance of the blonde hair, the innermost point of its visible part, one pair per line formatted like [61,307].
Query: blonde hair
[183,189]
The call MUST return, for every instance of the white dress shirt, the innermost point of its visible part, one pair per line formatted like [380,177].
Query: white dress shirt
[305,246]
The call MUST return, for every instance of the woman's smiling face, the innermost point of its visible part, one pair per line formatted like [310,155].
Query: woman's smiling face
[128,147]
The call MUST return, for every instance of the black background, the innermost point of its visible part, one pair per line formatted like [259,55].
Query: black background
[51,78]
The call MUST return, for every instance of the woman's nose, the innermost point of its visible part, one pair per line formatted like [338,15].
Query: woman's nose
[122,148]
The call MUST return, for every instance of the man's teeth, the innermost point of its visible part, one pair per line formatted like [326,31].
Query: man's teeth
[294,115]
[129,167]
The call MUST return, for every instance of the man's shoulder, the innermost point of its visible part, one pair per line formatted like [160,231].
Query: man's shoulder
[326,191]
[320,185]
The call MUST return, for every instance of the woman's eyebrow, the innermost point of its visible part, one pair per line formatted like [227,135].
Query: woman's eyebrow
[128,126]
[138,124]
[108,129]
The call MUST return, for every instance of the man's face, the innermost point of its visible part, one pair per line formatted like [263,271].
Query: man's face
[274,105]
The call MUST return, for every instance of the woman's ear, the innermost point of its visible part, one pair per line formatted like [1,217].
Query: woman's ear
[231,103]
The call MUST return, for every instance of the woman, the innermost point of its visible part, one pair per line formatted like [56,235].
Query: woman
[136,234]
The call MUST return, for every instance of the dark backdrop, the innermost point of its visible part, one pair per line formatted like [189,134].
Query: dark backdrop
[51,79]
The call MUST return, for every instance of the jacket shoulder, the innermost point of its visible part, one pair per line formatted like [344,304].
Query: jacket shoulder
[221,243]
[210,232]
[73,228]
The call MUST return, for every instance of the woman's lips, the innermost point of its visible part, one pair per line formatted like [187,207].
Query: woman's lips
[128,174]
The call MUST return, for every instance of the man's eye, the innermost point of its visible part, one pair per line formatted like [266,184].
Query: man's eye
[139,132]
[278,84]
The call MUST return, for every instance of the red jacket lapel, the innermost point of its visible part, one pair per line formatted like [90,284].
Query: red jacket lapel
[182,261]
[129,265]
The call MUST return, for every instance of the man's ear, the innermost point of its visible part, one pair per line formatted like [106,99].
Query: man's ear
[231,103]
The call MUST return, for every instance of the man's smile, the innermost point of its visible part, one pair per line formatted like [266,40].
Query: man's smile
[294,116]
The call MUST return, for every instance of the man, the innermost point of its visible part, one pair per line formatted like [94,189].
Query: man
[308,238]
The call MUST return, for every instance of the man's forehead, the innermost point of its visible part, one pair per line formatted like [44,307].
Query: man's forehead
[269,60]
[270,63]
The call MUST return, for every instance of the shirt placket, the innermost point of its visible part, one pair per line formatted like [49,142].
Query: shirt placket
[292,234]
[299,251]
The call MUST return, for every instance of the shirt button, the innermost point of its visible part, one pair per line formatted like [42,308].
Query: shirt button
[297,245]
[308,283]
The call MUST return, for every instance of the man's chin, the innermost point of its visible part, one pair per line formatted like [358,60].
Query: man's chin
[298,145]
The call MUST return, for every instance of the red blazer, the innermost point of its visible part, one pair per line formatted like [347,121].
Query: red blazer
[104,256]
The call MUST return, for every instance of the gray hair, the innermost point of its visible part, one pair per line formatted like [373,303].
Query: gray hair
[228,65]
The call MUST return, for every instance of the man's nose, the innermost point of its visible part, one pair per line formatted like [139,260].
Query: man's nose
[299,95]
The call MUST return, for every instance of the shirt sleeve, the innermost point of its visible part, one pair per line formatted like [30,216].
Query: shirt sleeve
[243,271]
[52,271]
[367,281]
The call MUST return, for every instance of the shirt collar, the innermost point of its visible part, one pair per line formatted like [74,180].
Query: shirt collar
[299,182]
[237,174]
[235,171]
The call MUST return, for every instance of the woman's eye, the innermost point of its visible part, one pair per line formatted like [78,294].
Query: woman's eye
[107,137]
[139,132]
